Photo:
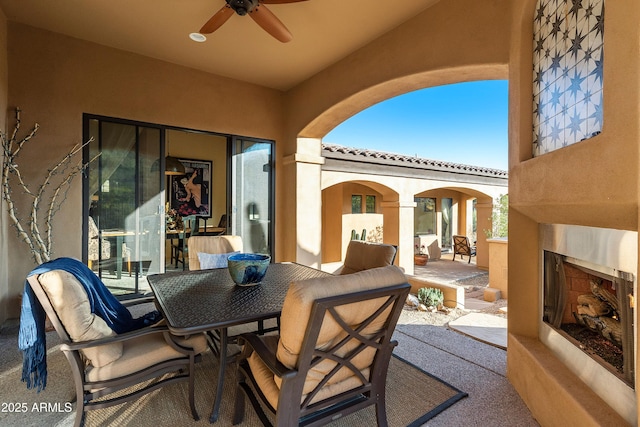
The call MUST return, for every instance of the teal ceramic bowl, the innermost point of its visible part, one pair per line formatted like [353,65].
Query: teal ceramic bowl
[248,269]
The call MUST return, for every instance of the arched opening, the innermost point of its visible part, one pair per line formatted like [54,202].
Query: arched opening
[352,210]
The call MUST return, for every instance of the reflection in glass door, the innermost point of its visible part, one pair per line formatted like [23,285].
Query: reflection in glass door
[252,194]
[447,213]
[123,199]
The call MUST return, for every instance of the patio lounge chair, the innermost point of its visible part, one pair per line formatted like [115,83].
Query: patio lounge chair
[332,355]
[103,363]
[462,247]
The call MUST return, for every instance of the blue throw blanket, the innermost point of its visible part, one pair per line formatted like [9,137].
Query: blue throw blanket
[32,339]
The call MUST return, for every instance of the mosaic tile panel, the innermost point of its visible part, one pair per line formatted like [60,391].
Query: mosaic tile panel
[567,72]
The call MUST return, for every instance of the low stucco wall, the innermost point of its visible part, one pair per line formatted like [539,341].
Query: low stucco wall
[453,295]
[498,265]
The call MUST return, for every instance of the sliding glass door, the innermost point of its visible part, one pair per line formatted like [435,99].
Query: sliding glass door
[125,232]
[124,196]
[252,194]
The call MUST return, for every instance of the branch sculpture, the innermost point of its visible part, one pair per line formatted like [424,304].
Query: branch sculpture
[60,176]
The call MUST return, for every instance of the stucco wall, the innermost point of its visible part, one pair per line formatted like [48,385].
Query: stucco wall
[54,79]
[452,41]
[594,183]
[4,264]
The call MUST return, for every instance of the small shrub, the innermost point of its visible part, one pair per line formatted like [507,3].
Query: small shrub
[430,297]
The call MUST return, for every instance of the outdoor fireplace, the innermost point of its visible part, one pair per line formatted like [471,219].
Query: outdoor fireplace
[588,318]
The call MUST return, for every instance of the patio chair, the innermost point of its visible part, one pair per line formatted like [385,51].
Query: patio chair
[462,247]
[104,364]
[332,355]
[213,252]
[364,255]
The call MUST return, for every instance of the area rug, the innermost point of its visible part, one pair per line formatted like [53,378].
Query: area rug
[413,397]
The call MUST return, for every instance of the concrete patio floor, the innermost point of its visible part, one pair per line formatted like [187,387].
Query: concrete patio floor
[470,364]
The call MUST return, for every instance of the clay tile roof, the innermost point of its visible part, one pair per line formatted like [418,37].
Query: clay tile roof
[358,154]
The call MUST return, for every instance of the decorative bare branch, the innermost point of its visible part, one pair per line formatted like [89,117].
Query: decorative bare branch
[28,228]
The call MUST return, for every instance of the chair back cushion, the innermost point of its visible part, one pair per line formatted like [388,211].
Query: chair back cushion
[211,245]
[297,309]
[364,255]
[70,302]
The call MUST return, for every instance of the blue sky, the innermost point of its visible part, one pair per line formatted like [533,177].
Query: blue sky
[461,123]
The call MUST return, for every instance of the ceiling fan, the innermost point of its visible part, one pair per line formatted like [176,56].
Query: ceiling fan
[256,10]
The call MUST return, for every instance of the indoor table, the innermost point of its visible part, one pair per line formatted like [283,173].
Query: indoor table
[208,300]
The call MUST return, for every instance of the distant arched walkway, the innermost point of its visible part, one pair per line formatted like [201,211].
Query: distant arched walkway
[386,68]
[366,190]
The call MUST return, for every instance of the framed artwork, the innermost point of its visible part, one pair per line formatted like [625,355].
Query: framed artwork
[190,194]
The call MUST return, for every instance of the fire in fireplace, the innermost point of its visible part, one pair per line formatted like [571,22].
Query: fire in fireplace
[593,310]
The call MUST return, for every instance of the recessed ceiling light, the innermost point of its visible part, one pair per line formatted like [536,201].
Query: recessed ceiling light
[197,37]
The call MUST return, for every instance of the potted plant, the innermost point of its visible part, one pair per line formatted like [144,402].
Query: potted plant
[420,257]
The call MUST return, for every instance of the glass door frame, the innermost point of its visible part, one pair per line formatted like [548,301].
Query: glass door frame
[235,149]
[86,202]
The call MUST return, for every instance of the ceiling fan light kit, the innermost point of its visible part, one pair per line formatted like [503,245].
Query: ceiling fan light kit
[257,10]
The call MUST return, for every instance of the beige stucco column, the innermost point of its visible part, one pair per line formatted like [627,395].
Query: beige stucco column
[484,211]
[308,162]
[398,230]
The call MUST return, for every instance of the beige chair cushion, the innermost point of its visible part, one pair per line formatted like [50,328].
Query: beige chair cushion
[270,387]
[211,245]
[297,308]
[70,301]
[364,256]
[142,352]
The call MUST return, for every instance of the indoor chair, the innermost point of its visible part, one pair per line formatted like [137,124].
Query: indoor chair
[180,248]
[462,247]
[104,364]
[222,224]
[364,255]
[332,355]
[98,249]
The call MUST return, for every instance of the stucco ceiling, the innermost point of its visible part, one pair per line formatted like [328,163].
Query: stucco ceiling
[324,31]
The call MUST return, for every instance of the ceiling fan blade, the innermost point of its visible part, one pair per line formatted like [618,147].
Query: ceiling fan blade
[216,21]
[270,23]
[280,1]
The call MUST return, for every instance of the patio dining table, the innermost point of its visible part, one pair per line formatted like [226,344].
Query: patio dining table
[209,301]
